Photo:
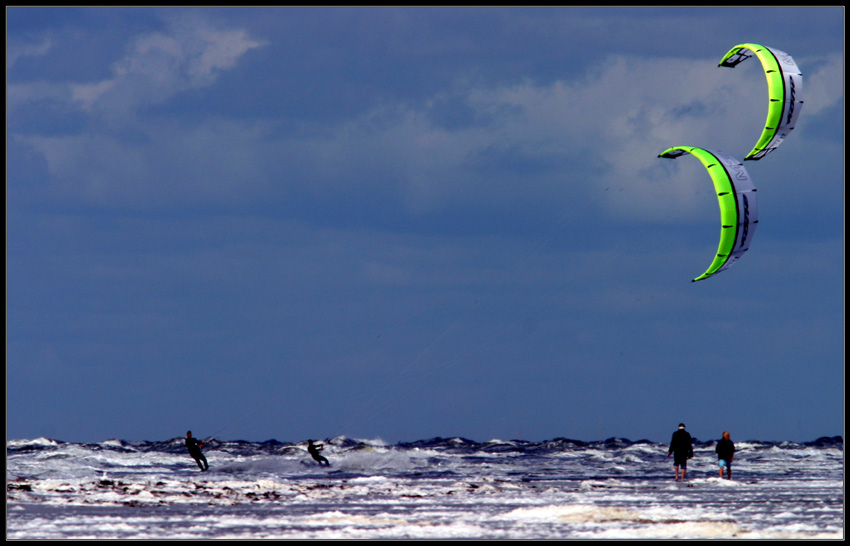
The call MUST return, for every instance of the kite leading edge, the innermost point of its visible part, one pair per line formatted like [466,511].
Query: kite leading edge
[785,89]
[736,195]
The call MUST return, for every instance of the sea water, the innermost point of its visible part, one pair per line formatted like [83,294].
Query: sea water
[431,489]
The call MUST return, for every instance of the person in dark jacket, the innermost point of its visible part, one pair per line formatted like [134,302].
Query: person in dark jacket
[682,449]
[725,452]
[314,452]
[194,447]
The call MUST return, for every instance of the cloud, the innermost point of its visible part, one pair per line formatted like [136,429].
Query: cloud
[16,50]
[569,140]
[823,86]
[160,65]
[592,139]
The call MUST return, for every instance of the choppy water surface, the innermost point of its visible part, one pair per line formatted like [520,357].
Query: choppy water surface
[438,488]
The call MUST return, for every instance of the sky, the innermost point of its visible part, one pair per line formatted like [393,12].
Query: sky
[405,223]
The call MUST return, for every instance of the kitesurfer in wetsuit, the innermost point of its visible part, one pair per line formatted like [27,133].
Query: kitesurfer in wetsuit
[314,452]
[194,447]
[725,452]
[682,449]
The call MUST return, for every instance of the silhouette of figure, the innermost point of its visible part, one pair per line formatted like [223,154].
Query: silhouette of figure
[725,453]
[314,452]
[681,447]
[194,447]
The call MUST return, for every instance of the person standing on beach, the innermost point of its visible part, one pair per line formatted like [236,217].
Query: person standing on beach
[194,447]
[314,452]
[725,452]
[682,449]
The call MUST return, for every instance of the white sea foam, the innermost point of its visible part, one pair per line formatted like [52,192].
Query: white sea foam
[438,489]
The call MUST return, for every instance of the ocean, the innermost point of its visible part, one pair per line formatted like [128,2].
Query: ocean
[441,488]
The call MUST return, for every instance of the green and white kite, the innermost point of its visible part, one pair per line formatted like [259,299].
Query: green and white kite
[784,87]
[738,206]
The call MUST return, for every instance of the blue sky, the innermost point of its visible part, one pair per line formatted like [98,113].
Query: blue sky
[402,223]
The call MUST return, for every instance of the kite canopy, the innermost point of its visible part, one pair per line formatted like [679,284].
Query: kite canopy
[738,207]
[785,89]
